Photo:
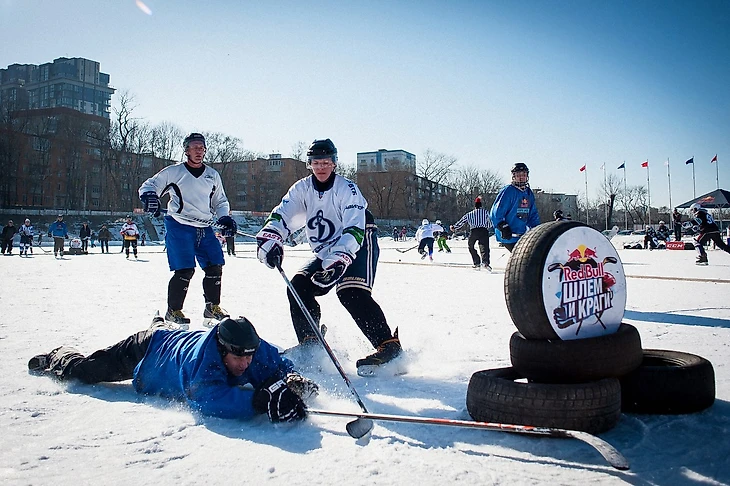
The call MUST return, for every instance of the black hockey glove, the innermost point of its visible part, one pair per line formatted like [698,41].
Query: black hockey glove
[229,226]
[270,249]
[280,403]
[304,387]
[333,268]
[151,203]
[506,231]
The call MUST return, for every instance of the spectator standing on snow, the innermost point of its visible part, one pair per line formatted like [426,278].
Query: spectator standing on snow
[207,369]
[59,232]
[480,225]
[514,211]
[104,236]
[85,235]
[677,220]
[8,234]
[404,234]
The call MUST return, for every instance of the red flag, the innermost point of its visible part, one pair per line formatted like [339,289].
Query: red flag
[714,159]
[583,168]
[645,163]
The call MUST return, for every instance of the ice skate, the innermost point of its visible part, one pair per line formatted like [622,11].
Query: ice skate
[702,260]
[177,319]
[423,255]
[487,268]
[387,351]
[213,314]
[477,266]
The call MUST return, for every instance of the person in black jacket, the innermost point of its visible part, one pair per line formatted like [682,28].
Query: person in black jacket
[104,236]
[85,235]
[8,233]
[708,232]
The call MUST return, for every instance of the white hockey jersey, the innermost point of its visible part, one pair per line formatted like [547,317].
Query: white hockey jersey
[195,197]
[334,220]
[427,230]
[129,231]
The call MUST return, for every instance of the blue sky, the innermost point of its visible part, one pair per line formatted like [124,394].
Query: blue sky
[554,84]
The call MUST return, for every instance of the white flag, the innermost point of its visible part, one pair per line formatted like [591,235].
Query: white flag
[667,163]
[603,166]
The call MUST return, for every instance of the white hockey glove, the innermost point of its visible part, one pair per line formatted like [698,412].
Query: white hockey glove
[270,249]
[334,266]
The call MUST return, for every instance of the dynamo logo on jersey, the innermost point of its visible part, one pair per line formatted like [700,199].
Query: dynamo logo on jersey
[322,227]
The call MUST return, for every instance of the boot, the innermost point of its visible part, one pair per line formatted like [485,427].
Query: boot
[177,318]
[387,351]
[213,314]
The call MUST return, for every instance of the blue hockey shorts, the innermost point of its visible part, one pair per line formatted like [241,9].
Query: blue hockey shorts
[185,244]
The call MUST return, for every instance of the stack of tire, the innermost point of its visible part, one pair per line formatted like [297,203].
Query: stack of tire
[575,364]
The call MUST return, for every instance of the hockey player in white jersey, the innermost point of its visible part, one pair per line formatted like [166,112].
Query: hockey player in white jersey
[343,236]
[26,238]
[196,192]
[425,237]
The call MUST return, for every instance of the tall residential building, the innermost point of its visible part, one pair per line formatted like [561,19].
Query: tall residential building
[386,160]
[74,83]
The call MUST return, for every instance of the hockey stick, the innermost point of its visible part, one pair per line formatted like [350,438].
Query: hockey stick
[213,224]
[609,453]
[42,249]
[361,426]
[409,249]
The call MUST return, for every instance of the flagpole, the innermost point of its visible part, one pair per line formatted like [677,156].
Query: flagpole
[717,172]
[586,177]
[669,180]
[605,203]
[626,210]
[648,195]
[694,190]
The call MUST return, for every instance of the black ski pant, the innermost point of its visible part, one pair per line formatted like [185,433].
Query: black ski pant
[85,245]
[115,363]
[677,231]
[133,243]
[481,236]
[231,245]
[707,237]
[58,243]
[7,246]
[425,243]
[104,244]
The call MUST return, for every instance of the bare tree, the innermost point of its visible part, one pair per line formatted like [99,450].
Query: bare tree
[610,189]
[167,141]
[471,181]
[299,151]
[435,169]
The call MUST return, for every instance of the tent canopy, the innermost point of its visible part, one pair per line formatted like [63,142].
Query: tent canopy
[719,198]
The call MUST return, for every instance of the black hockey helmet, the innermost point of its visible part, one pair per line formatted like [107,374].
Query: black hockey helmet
[238,337]
[520,167]
[321,149]
[194,137]
[517,168]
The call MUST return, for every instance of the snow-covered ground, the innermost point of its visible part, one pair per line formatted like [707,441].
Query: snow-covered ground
[453,321]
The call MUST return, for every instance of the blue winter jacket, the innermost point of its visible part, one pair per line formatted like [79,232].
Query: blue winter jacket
[187,366]
[58,230]
[517,208]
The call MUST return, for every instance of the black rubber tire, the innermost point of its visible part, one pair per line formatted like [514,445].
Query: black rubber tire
[523,277]
[669,382]
[579,360]
[524,289]
[495,396]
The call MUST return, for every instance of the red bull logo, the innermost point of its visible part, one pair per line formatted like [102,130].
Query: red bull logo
[585,290]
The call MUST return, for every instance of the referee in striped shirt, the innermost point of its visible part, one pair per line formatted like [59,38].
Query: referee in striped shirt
[478,220]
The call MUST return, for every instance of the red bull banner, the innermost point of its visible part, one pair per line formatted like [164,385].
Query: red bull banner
[584,285]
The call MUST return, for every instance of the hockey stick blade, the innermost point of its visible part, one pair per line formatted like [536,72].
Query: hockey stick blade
[606,450]
[357,429]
